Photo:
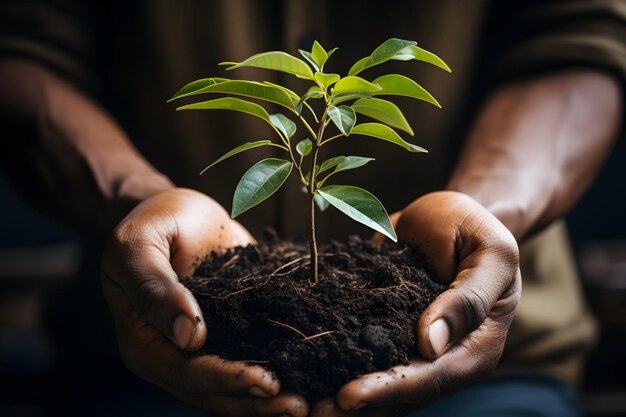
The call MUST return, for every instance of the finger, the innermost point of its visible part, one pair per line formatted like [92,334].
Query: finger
[211,375]
[133,261]
[471,248]
[478,293]
[151,356]
[423,381]
[288,403]
[329,408]
[281,405]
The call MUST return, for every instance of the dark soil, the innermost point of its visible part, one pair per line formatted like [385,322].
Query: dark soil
[258,306]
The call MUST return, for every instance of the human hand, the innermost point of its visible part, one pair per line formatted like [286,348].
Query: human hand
[157,318]
[461,334]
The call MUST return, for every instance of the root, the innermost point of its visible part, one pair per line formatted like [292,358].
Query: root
[304,337]
[227,264]
[238,292]
[293,329]
[288,264]
[319,335]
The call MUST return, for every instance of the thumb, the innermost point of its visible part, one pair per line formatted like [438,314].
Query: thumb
[471,249]
[138,262]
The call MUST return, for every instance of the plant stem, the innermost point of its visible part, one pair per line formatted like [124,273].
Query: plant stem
[312,188]
[313,245]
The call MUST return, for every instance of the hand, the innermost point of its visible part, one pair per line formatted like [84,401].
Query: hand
[462,333]
[156,317]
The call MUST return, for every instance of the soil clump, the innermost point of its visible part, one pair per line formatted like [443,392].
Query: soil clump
[259,307]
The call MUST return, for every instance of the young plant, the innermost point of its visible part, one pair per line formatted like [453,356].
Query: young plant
[343,98]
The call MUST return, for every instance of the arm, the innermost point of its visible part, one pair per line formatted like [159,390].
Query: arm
[535,147]
[78,155]
[84,160]
[538,145]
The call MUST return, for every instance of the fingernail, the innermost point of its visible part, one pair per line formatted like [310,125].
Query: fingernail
[183,330]
[258,392]
[359,406]
[438,336]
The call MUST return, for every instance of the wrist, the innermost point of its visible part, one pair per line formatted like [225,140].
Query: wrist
[135,188]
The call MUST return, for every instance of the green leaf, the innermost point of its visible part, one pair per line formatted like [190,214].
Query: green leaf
[229,103]
[361,206]
[399,85]
[284,124]
[358,66]
[287,91]
[384,132]
[348,163]
[251,89]
[319,54]
[343,117]
[275,60]
[242,148]
[383,53]
[313,92]
[259,182]
[331,163]
[304,147]
[419,54]
[320,202]
[352,84]
[307,55]
[387,50]
[384,111]
[393,49]
[340,98]
[195,86]
[352,162]
[327,79]
[332,51]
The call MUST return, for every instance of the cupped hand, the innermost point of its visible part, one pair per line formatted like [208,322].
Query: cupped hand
[157,318]
[461,334]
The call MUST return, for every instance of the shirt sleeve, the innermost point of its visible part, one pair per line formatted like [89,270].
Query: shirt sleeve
[526,37]
[53,33]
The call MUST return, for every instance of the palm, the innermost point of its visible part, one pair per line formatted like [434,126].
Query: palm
[471,250]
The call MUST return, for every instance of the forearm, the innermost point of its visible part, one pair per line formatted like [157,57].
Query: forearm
[537,145]
[76,153]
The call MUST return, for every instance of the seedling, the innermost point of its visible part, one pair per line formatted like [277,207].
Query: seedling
[343,98]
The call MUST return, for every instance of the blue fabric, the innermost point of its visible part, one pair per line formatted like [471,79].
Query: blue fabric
[520,396]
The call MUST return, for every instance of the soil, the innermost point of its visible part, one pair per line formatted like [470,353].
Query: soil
[259,307]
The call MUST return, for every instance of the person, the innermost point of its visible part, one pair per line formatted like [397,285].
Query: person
[535,96]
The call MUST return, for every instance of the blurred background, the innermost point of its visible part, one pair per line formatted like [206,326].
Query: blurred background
[598,230]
